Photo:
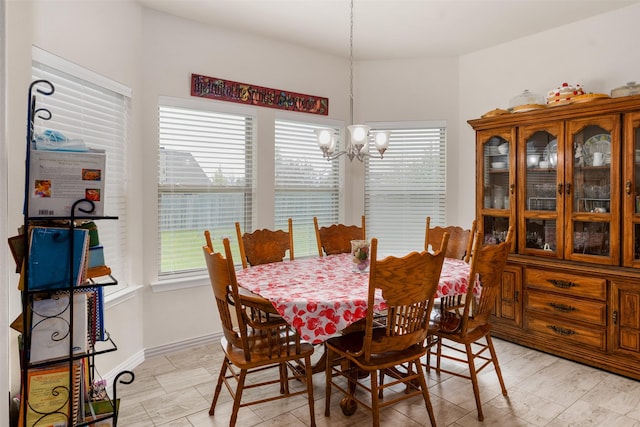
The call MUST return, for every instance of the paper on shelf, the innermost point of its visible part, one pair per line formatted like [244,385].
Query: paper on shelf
[58,179]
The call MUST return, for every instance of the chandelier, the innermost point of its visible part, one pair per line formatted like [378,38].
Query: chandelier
[359,135]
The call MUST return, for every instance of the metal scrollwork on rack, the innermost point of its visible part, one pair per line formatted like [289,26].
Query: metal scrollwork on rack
[77,205]
[42,417]
[42,113]
[43,87]
[129,377]
[81,209]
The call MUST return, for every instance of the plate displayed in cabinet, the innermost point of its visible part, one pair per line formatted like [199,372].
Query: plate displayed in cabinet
[597,143]
[551,148]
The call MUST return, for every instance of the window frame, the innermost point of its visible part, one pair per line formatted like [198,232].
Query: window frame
[185,277]
[113,232]
[303,223]
[400,241]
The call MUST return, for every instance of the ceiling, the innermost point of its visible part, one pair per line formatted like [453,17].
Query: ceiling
[389,29]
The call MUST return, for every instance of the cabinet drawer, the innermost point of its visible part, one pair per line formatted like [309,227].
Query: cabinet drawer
[566,307]
[570,284]
[571,333]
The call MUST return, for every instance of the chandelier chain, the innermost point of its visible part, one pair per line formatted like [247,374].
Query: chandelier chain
[351,67]
[357,138]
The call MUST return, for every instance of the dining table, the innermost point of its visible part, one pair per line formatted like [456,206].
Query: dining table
[321,296]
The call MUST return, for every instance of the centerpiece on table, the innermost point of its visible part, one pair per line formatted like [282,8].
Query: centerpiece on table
[360,252]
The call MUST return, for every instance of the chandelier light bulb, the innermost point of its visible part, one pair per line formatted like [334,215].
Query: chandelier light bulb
[325,137]
[358,133]
[381,139]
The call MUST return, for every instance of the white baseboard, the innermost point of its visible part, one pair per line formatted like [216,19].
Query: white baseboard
[127,365]
[138,358]
[182,345]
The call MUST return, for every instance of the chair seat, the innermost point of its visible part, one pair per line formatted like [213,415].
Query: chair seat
[264,350]
[448,322]
[444,321]
[352,343]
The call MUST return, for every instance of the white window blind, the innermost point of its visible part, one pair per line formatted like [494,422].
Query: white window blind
[306,184]
[92,108]
[406,186]
[205,180]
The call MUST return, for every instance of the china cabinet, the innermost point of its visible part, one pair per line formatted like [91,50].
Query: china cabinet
[568,178]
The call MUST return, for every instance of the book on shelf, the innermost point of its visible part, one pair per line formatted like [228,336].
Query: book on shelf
[16,244]
[96,314]
[97,410]
[51,396]
[49,258]
[51,327]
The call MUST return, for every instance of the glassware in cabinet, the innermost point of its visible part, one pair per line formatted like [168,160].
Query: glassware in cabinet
[540,195]
[495,228]
[592,190]
[631,191]
[496,198]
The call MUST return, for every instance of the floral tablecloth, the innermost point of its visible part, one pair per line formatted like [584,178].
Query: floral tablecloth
[322,296]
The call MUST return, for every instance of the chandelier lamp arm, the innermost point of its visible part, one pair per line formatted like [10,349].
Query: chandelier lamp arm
[357,145]
[328,141]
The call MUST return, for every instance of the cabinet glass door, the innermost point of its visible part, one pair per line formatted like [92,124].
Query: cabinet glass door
[496,198]
[540,194]
[592,190]
[631,191]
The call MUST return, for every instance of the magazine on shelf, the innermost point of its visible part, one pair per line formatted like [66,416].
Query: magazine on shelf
[49,263]
[51,395]
[51,323]
[58,179]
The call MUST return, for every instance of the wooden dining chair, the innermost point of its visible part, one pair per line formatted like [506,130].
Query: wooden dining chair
[407,285]
[465,332]
[207,240]
[459,247]
[460,240]
[336,238]
[265,246]
[258,307]
[253,347]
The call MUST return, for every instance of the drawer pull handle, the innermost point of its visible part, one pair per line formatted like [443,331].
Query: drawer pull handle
[563,284]
[561,331]
[561,307]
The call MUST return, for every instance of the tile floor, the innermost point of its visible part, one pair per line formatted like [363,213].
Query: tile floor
[176,389]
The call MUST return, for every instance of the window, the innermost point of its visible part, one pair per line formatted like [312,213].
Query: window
[90,107]
[406,186]
[306,184]
[205,178]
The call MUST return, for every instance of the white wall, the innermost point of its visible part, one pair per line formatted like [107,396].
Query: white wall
[599,53]
[411,90]
[173,49]
[5,335]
